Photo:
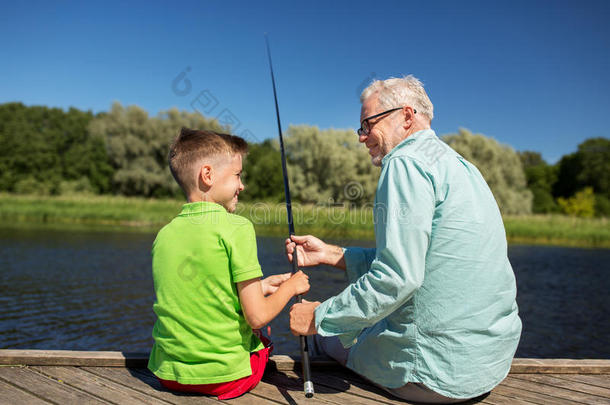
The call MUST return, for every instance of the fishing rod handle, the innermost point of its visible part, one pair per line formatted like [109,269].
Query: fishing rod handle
[307,383]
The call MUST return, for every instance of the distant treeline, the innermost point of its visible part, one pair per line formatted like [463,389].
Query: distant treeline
[49,151]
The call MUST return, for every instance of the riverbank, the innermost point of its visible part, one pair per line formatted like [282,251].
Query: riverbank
[330,222]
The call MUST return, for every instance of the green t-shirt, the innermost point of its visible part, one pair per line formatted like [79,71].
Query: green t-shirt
[201,335]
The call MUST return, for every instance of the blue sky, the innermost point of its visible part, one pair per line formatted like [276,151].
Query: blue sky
[532,74]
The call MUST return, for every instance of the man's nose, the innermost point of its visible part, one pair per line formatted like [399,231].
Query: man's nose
[362,138]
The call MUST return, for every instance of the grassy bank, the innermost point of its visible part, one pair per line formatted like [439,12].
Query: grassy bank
[138,214]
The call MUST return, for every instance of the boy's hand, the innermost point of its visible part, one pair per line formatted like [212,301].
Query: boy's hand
[272,283]
[299,283]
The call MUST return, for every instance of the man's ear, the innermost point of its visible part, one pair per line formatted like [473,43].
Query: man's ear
[408,116]
[206,175]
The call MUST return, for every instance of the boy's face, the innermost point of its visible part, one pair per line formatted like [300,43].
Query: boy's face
[227,183]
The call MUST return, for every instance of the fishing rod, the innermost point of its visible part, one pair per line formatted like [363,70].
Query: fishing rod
[307,385]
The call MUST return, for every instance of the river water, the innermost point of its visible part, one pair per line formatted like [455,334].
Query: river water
[81,290]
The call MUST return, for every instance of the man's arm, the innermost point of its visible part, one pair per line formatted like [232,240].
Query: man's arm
[312,251]
[358,261]
[355,260]
[405,210]
[334,256]
[260,310]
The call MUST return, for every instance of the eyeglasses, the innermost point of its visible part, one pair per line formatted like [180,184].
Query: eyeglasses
[365,127]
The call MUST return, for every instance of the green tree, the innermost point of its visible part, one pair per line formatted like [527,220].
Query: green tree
[329,166]
[263,173]
[595,153]
[500,166]
[43,148]
[589,166]
[540,180]
[602,205]
[531,158]
[581,204]
[138,146]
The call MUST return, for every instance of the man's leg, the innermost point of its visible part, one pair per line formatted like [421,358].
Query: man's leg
[330,346]
[415,392]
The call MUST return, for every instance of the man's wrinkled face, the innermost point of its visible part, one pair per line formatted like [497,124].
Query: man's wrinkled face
[385,131]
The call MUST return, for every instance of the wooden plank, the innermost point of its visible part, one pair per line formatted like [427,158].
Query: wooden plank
[98,386]
[147,385]
[498,399]
[361,386]
[601,380]
[560,366]
[281,395]
[11,395]
[72,358]
[553,391]
[567,384]
[288,363]
[121,359]
[280,362]
[364,390]
[535,397]
[292,386]
[292,394]
[291,382]
[591,384]
[353,384]
[243,400]
[45,387]
[145,382]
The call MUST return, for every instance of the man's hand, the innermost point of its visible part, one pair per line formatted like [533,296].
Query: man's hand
[311,251]
[302,318]
[272,283]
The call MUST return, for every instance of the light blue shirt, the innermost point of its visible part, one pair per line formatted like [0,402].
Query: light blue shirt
[435,302]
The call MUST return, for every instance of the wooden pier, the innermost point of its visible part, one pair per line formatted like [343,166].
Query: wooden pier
[69,377]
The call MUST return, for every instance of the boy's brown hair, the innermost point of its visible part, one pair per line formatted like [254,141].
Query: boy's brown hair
[191,146]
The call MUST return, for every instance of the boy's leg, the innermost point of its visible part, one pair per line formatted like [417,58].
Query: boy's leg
[230,389]
[258,362]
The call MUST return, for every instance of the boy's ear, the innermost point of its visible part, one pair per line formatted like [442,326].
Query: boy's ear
[206,175]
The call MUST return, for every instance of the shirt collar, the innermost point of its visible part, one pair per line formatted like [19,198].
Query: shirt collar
[408,140]
[200,208]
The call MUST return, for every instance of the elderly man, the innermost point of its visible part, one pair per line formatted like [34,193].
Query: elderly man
[430,314]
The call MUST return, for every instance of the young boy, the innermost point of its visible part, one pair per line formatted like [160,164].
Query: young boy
[209,292]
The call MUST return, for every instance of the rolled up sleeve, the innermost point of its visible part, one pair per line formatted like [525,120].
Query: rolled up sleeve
[404,210]
[357,261]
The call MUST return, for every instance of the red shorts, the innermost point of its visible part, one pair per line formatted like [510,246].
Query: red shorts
[230,389]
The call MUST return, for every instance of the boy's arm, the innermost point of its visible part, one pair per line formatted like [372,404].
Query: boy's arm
[260,310]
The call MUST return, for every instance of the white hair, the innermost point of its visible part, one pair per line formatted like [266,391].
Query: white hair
[395,92]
